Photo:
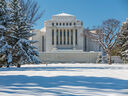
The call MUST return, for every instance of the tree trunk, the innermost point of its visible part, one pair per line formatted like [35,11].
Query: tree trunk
[18,65]
[1,66]
[109,59]
[8,65]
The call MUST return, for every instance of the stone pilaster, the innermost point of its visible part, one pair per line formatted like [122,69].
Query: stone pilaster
[74,43]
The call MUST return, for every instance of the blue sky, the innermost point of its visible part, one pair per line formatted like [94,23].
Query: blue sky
[91,12]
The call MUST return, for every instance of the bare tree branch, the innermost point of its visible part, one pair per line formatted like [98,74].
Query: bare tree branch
[106,35]
[31,10]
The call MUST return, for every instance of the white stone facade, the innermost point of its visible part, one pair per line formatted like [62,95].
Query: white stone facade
[70,57]
[63,33]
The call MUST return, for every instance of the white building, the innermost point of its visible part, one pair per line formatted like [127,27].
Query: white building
[64,33]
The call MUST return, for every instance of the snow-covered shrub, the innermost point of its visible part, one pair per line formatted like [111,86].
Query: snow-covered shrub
[99,59]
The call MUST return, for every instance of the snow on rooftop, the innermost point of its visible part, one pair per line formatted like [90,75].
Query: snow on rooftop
[63,14]
[43,29]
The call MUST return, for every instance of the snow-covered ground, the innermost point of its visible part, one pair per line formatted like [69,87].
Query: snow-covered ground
[65,80]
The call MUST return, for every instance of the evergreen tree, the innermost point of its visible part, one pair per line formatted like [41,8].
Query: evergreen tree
[123,41]
[23,49]
[5,55]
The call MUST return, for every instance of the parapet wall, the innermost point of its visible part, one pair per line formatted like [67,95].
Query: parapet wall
[70,57]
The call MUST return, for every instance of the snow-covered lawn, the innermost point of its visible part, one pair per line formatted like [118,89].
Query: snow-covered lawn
[65,80]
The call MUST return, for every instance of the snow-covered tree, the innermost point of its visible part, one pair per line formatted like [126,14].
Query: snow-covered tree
[5,55]
[123,41]
[23,49]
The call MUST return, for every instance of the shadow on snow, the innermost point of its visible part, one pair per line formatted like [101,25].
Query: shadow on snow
[22,82]
[47,68]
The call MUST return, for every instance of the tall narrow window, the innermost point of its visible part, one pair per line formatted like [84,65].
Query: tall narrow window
[67,24]
[52,37]
[61,37]
[52,24]
[63,24]
[71,36]
[74,23]
[57,24]
[42,43]
[70,24]
[81,23]
[68,37]
[64,38]
[85,43]
[76,37]
[57,37]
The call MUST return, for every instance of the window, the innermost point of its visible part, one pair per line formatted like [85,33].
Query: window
[67,24]
[85,40]
[52,24]
[60,24]
[57,24]
[81,23]
[72,37]
[42,43]
[52,37]
[64,37]
[63,24]
[70,24]
[74,23]
[68,37]
[76,36]
[57,37]
[61,37]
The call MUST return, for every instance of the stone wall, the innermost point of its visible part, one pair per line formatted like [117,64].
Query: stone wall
[115,59]
[71,57]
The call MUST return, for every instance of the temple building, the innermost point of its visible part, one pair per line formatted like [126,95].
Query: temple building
[62,39]
[64,33]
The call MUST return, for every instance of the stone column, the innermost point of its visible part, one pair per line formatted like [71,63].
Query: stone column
[70,37]
[66,37]
[55,38]
[62,36]
[74,43]
[58,36]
